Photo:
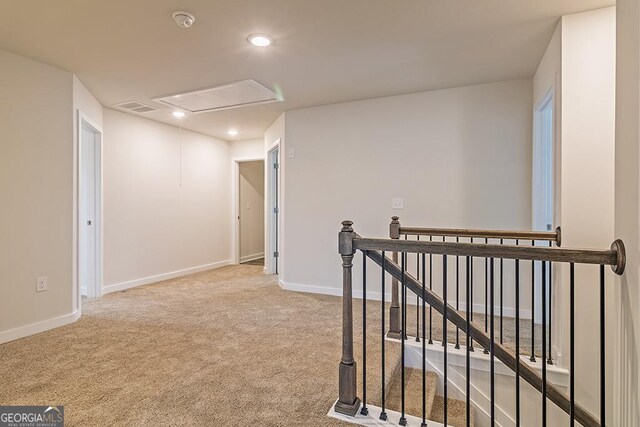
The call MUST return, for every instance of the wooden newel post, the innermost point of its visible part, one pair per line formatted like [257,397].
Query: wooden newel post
[394,310]
[348,403]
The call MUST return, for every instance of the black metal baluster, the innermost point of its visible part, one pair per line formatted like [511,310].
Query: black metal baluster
[491,344]
[486,295]
[404,299]
[501,293]
[417,301]
[550,359]
[468,337]
[603,419]
[470,308]
[533,308]
[517,341]
[444,239]
[364,410]
[403,420]
[424,344]
[383,414]
[572,377]
[544,343]
[430,288]
[444,330]
[457,294]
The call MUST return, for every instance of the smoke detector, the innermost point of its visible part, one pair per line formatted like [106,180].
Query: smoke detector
[183,19]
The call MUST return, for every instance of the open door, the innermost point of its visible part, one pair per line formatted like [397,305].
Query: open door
[89,209]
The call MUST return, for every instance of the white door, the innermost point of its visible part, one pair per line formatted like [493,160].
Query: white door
[272,256]
[543,166]
[88,210]
[543,185]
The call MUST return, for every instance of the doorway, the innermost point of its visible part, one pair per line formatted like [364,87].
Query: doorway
[251,212]
[89,208]
[272,256]
[543,164]
[543,185]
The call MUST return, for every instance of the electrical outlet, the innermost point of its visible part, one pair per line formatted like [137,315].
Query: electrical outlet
[41,284]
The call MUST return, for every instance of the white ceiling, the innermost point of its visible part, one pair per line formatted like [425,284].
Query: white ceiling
[325,51]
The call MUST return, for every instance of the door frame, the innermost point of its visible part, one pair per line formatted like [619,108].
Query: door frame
[541,104]
[96,292]
[235,197]
[273,234]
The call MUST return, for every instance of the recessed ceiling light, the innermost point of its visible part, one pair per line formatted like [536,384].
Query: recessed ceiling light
[260,40]
[178,114]
[232,132]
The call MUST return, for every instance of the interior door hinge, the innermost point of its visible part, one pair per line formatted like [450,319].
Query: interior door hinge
[276,254]
[276,165]
[276,210]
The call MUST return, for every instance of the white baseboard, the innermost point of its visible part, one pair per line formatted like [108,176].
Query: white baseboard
[160,277]
[36,328]
[248,258]
[325,290]
[377,296]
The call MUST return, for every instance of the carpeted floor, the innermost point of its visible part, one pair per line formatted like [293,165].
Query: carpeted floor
[222,347]
[259,261]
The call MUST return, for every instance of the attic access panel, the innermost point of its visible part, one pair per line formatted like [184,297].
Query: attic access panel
[233,95]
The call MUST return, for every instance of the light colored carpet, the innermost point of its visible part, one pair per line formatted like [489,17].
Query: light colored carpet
[259,261]
[222,347]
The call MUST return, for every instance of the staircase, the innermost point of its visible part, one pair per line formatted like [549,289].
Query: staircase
[404,389]
[434,403]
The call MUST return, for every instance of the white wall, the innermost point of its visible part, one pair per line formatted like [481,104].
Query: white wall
[579,65]
[251,208]
[626,301]
[587,176]
[247,149]
[36,183]
[156,224]
[459,158]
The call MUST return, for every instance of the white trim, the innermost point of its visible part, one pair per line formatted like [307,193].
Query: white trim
[480,360]
[372,419]
[97,291]
[253,257]
[235,200]
[525,314]
[270,232]
[160,277]
[36,328]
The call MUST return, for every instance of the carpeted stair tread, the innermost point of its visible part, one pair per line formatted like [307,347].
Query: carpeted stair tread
[456,412]
[413,392]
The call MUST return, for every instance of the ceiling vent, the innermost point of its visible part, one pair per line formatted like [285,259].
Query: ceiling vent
[136,107]
[233,95]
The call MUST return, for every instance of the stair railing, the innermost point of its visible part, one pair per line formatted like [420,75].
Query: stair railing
[376,249]
[396,231]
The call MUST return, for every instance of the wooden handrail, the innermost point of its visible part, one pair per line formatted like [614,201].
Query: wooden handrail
[551,236]
[615,257]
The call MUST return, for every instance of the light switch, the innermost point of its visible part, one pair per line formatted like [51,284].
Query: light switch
[397,203]
[292,153]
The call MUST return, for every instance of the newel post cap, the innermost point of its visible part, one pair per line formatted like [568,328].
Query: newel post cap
[394,227]
[345,239]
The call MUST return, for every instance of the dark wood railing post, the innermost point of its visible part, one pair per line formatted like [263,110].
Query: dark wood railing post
[394,310]
[348,403]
